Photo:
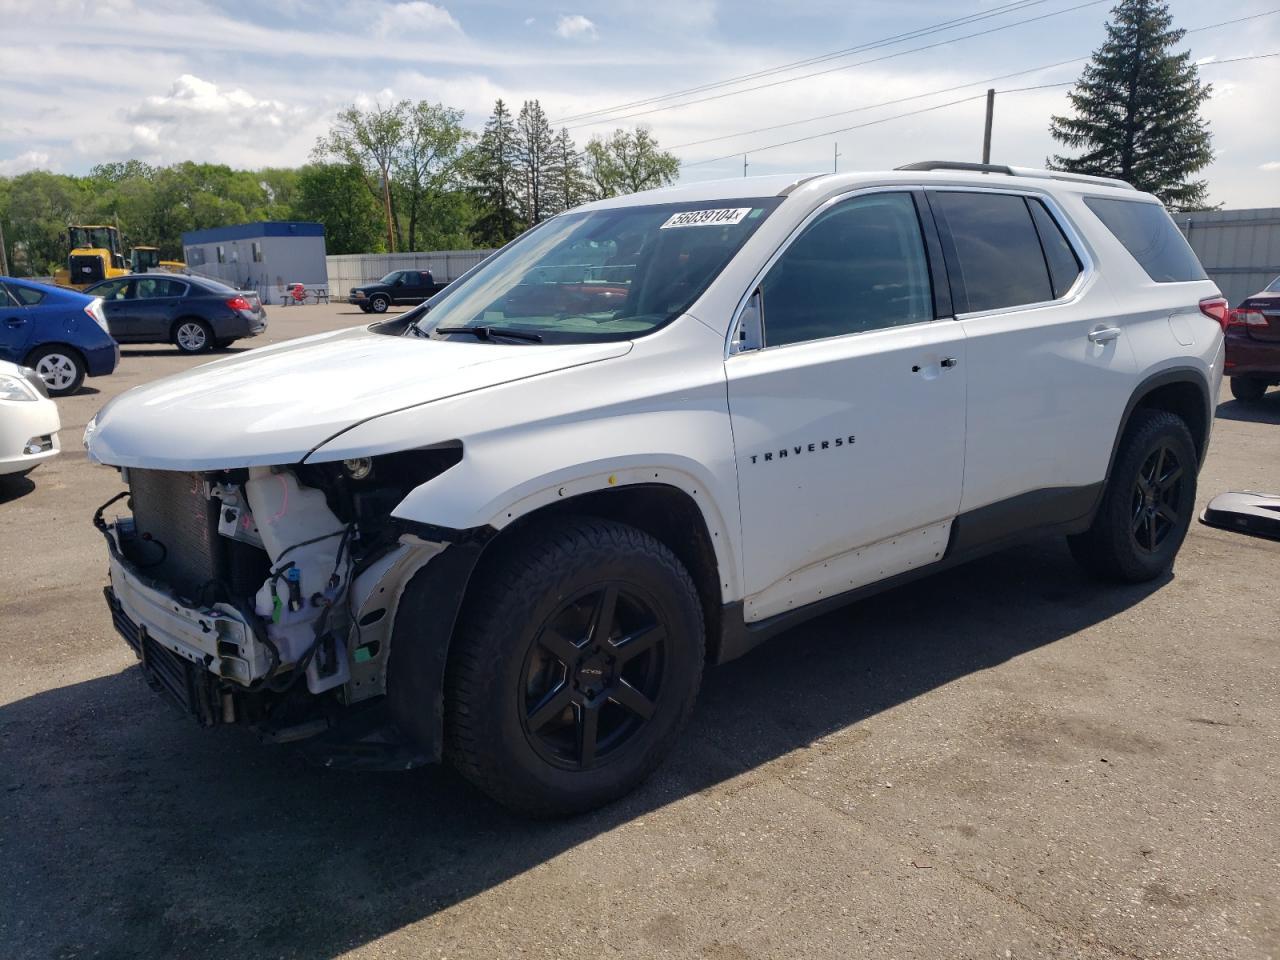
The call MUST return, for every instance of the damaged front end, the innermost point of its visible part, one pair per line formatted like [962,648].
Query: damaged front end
[266,596]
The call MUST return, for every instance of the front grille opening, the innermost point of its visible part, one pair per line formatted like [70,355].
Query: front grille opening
[175,540]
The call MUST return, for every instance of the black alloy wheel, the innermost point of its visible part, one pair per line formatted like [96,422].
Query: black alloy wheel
[575,662]
[1147,503]
[593,676]
[1157,498]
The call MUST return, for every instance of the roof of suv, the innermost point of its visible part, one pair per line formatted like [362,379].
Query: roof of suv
[735,188]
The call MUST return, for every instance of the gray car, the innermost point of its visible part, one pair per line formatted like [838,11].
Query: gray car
[195,314]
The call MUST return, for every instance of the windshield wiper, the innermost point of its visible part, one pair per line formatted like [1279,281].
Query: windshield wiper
[488,333]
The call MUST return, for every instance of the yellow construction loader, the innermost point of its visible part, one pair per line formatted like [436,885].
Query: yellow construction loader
[147,260]
[95,255]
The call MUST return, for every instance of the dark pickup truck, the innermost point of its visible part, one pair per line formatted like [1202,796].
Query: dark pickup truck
[398,287]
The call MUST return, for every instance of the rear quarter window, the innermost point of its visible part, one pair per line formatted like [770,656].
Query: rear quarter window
[28,296]
[1151,238]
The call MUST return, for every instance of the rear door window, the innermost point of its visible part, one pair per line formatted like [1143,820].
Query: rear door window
[161,288]
[1148,233]
[995,257]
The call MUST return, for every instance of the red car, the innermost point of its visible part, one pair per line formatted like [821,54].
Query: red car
[1253,344]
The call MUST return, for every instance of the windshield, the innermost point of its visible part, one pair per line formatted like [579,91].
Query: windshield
[391,277]
[603,274]
[98,238]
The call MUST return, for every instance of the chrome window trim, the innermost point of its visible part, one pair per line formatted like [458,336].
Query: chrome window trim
[733,344]
[1074,238]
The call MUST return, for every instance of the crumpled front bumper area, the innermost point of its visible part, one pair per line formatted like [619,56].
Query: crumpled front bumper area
[193,688]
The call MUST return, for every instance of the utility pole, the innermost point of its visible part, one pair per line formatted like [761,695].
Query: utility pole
[835,158]
[986,133]
[744,164]
[386,203]
[4,255]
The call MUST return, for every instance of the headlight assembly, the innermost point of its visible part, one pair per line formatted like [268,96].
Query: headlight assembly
[14,388]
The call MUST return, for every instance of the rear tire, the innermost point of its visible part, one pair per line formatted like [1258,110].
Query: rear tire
[193,336]
[575,665]
[1248,389]
[61,368]
[1147,505]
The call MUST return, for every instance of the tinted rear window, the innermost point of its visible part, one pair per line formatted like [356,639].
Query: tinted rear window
[1149,235]
[1000,259]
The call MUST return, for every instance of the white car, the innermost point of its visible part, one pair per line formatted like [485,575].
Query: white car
[509,527]
[28,421]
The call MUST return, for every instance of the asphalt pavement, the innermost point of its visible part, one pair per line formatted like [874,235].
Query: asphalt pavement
[1005,760]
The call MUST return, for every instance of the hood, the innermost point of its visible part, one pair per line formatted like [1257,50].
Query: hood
[276,404]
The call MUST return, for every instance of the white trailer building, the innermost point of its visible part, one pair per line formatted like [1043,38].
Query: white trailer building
[265,256]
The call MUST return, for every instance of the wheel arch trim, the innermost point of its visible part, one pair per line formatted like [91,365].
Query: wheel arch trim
[1148,386]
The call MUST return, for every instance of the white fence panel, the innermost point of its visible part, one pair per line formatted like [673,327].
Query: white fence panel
[352,269]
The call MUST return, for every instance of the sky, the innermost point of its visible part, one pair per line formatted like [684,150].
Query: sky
[253,84]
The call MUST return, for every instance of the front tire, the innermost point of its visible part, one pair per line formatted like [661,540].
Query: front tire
[192,336]
[61,368]
[575,665]
[1248,389]
[1147,505]
[379,304]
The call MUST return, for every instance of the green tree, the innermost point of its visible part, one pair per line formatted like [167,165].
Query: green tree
[626,162]
[534,149]
[427,163]
[336,195]
[494,178]
[370,141]
[1137,109]
[567,184]
[41,207]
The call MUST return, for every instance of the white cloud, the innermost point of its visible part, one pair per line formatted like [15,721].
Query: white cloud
[404,20]
[575,26]
[31,160]
[1271,166]
[198,119]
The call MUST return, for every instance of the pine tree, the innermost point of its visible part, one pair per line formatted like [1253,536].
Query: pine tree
[494,175]
[1137,109]
[567,180]
[533,157]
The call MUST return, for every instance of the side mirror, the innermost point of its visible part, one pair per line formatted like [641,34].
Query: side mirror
[749,330]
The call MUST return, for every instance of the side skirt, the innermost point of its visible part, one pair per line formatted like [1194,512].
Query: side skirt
[1054,511]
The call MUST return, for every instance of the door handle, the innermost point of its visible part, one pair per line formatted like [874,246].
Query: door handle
[15,321]
[1104,334]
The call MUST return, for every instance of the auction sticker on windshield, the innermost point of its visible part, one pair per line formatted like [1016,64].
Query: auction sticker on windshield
[707,218]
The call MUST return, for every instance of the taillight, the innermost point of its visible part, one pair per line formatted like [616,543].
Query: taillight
[240,303]
[1217,308]
[1247,318]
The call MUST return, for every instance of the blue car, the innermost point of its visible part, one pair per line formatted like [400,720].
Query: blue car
[60,333]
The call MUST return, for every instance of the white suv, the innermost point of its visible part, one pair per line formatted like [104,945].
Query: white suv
[510,526]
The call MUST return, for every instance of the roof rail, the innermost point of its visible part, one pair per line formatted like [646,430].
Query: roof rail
[1017,172]
[958,165]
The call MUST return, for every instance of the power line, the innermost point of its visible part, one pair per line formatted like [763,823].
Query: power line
[828,133]
[940,106]
[847,66]
[961,86]
[873,106]
[809,61]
